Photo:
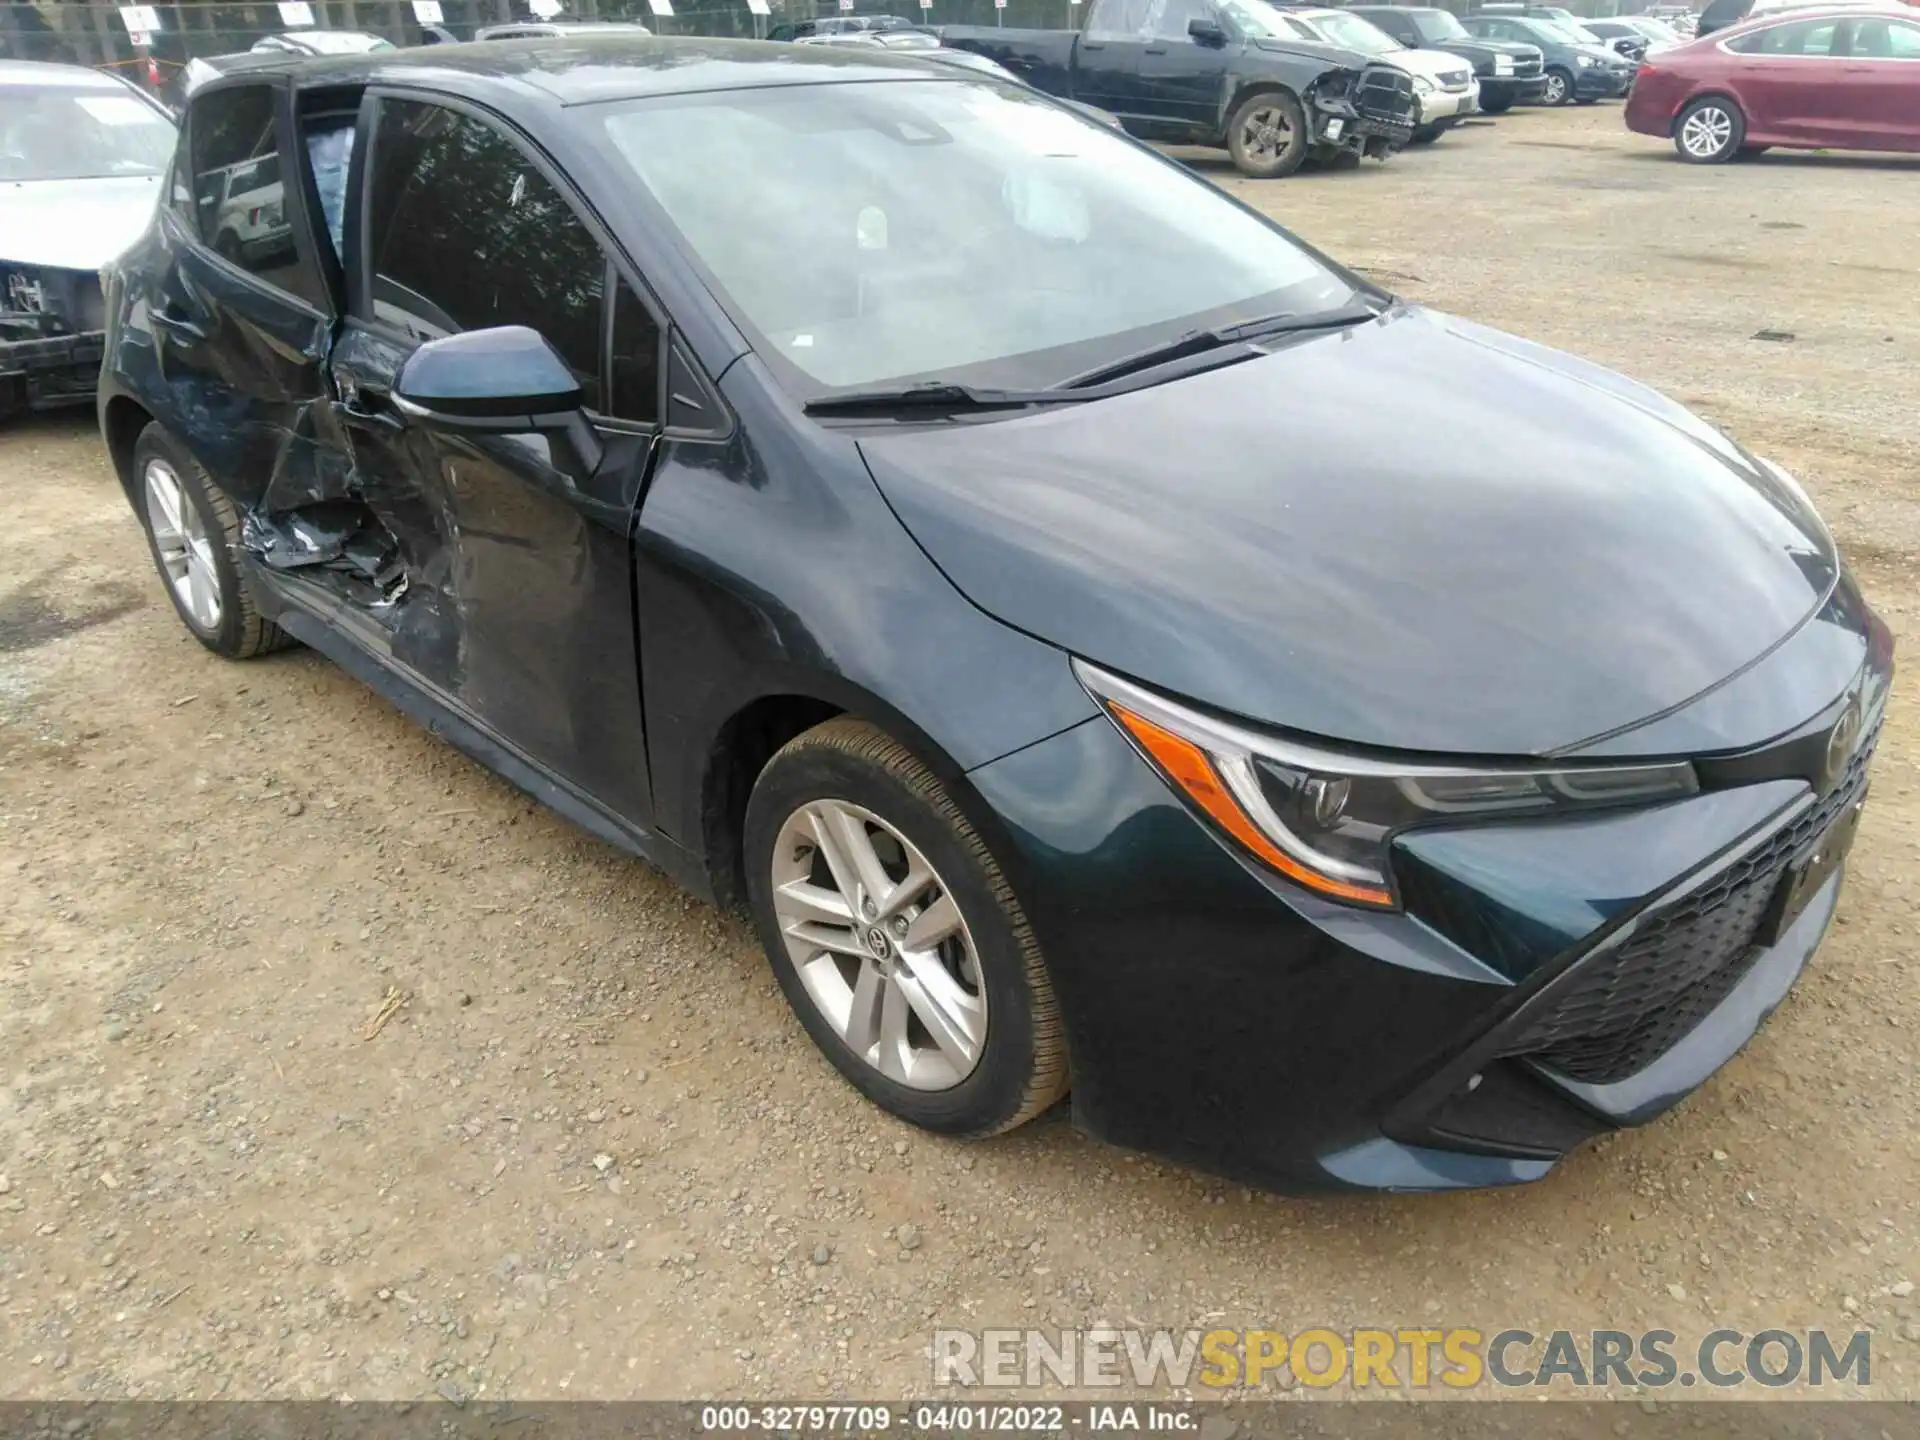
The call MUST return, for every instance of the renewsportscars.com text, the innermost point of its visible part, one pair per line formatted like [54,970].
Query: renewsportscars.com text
[1398,1359]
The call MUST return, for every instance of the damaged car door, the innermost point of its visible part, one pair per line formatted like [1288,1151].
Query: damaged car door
[510,593]
[239,319]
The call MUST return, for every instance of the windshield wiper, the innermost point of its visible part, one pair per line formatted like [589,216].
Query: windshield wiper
[1196,342]
[936,395]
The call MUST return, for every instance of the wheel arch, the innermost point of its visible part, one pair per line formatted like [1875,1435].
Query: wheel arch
[755,729]
[1709,92]
[121,422]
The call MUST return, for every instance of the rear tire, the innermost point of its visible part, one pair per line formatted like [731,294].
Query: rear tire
[934,1003]
[1710,131]
[1559,87]
[193,532]
[1267,135]
[1426,134]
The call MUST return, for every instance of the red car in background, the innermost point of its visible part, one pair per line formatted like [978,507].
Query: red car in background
[1840,79]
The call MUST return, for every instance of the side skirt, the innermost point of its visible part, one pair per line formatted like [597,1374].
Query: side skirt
[322,623]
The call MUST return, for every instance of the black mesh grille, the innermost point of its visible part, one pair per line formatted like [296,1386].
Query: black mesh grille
[1385,93]
[1620,1011]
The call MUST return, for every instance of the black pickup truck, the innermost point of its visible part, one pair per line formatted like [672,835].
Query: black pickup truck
[1225,73]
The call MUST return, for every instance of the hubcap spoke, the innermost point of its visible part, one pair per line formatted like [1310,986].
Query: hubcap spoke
[932,925]
[950,1015]
[895,1057]
[803,901]
[856,866]
[862,1029]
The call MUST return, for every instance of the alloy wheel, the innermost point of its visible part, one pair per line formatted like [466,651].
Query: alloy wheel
[1706,132]
[1266,133]
[1556,93]
[186,554]
[879,944]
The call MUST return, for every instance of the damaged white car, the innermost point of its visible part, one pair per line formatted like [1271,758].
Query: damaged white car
[81,155]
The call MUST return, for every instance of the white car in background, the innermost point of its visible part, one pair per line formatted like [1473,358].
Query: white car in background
[81,155]
[1443,83]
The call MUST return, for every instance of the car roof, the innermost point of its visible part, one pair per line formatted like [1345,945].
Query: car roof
[583,69]
[41,72]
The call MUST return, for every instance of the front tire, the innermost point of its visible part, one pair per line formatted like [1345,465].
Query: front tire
[1559,88]
[193,532]
[1709,131]
[1267,135]
[1498,106]
[896,938]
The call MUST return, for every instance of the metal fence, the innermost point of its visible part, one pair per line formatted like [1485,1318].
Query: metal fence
[83,32]
[87,32]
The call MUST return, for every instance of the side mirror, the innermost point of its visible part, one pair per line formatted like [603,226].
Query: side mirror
[1206,32]
[503,381]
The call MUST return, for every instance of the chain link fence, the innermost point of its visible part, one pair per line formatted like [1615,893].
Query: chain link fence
[83,32]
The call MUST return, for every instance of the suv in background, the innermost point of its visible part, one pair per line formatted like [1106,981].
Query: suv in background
[1443,84]
[1622,36]
[1508,74]
[1577,69]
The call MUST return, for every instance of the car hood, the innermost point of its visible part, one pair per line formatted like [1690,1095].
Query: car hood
[74,224]
[1430,63]
[1418,533]
[1313,49]
[1601,53]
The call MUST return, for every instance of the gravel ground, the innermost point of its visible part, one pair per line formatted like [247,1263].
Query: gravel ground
[594,1156]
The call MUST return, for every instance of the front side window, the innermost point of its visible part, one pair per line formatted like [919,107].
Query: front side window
[959,228]
[465,233]
[1171,18]
[239,201]
[73,132]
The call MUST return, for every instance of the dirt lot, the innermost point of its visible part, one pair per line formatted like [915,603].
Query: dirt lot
[594,1156]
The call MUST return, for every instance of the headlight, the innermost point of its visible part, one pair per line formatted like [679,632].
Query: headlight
[1326,819]
[1503,64]
[1584,61]
[1422,85]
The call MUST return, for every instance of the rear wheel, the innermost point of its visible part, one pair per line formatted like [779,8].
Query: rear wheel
[1267,135]
[194,534]
[1559,88]
[898,942]
[1709,131]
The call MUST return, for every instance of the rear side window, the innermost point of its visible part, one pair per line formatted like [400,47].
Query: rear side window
[1120,20]
[1807,37]
[1886,40]
[237,195]
[465,233]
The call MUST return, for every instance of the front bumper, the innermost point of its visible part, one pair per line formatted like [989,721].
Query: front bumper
[51,370]
[1515,89]
[1227,1020]
[1441,105]
[1602,82]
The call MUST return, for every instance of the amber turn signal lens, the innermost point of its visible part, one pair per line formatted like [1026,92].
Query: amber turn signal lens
[1188,766]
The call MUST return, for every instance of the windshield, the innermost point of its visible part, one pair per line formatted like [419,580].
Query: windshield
[1434,26]
[75,133]
[1567,34]
[1356,34]
[954,228]
[1251,18]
